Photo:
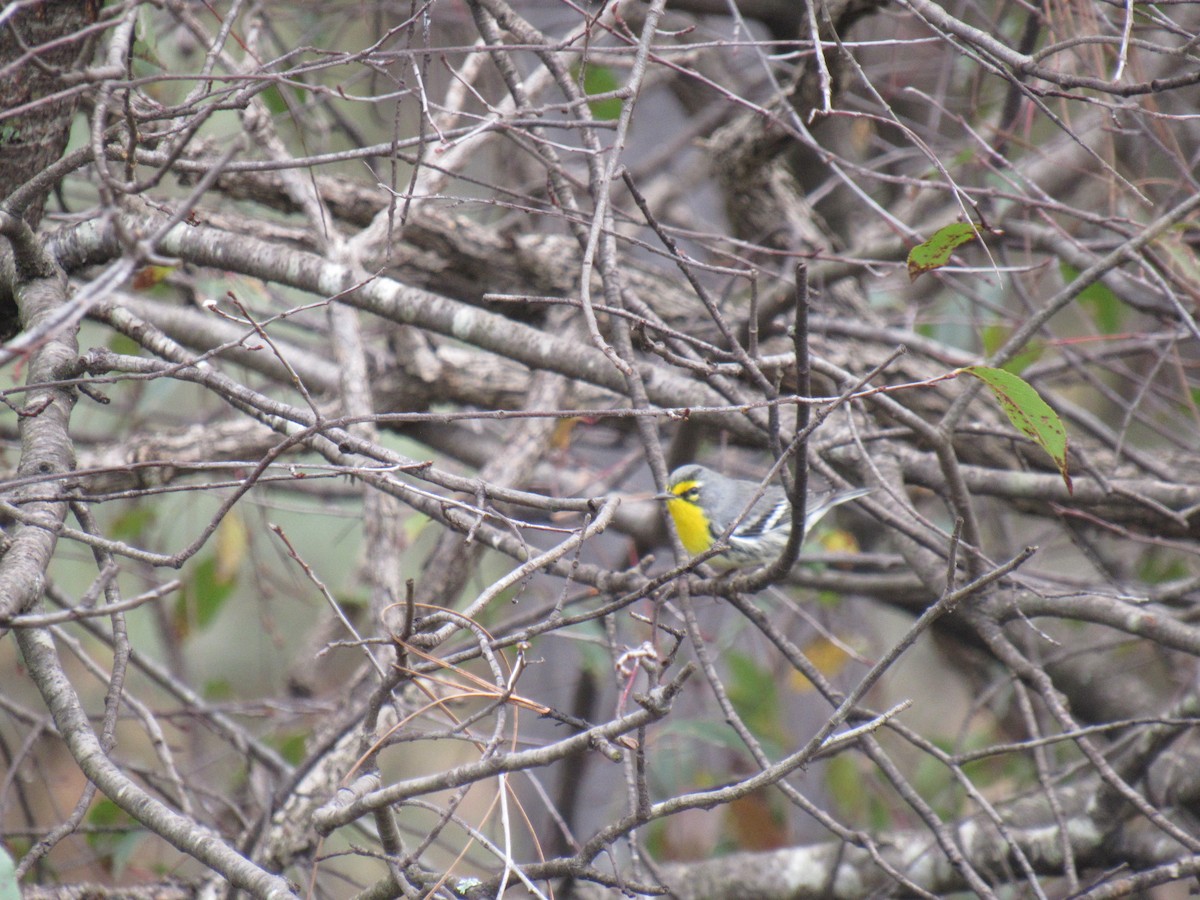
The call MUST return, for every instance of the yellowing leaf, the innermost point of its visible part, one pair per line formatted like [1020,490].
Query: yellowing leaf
[564,428]
[1028,412]
[935,252]
[839,540]
[148,276]
[230,547]
[828,657]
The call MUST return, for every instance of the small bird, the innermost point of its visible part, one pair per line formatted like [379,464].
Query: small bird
[704,503]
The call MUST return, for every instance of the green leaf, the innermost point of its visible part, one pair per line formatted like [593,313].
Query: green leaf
[414,525]
[132,523]
[935,252]
[273,99]
[1157,567]
[601,80]
[114,845]
[106,814]
[995,336]
[831,599]
[701,733]
[755,695]
[845,784]
[202,597]
[119,343]
[292,746]
[213,578]
[145,40]
[852,791]
[211,590]
[1106,309]
[218,689]
[1028,412]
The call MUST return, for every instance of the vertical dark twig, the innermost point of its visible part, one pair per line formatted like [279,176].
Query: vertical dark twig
[798,493]
[797,490]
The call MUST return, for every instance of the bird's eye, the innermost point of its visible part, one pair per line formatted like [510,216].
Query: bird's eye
[693,494]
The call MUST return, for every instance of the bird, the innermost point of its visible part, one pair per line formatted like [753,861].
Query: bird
[703,503]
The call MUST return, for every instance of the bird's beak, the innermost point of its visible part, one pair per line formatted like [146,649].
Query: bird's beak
[643,496]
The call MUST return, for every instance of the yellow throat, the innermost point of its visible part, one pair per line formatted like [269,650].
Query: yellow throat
[690,520]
